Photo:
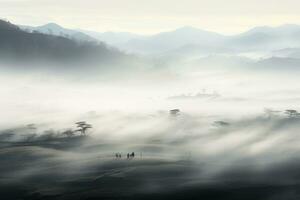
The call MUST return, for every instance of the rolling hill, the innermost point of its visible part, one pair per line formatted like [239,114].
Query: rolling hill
[17,45]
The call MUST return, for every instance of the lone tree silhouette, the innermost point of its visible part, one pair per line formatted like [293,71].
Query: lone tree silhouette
[83,127]
[292,113]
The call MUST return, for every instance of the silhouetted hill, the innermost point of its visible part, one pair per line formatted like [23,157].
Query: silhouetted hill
[19,46]
[7,26]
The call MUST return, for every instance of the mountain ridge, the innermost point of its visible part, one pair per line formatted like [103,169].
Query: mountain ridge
[56,29]
[257,38]
[17,45]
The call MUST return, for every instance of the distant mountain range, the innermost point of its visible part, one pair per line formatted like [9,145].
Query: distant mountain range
[187,40]
[53,43]
[272,38]
[173,40]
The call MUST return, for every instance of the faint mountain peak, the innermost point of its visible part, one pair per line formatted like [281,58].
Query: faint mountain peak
[51,26]
[285,28]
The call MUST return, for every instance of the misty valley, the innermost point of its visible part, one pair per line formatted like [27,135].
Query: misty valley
[184,114]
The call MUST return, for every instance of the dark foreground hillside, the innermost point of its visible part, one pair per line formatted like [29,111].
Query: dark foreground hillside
[71,169]
[17,45]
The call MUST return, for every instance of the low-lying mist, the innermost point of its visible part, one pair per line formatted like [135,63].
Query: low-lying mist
[232,128]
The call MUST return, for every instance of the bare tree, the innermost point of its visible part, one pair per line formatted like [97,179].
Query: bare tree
[292,113]
[83,127]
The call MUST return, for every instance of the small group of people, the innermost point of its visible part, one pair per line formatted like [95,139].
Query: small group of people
[129,155]
[118,155]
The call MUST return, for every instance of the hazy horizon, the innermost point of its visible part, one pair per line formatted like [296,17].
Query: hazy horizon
[156,33]
[143,17]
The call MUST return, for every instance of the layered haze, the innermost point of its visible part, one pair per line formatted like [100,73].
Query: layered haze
[232,137]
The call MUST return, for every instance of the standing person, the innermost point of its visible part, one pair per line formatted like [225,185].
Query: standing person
[127,155]
[132,154]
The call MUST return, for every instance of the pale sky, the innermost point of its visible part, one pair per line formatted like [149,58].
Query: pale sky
[152,16]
